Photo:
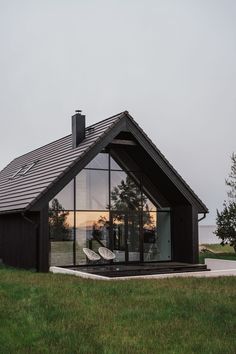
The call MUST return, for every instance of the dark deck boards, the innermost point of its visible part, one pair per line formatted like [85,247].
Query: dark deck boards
[122,270]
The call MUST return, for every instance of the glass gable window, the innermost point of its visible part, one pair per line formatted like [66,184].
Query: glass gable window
[92,190]
[114,165]
[148,204]
[64,199]
[100,161]
[125,193]
[105,206]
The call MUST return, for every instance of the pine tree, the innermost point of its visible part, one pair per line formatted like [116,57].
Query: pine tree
[127,196]
[59,229]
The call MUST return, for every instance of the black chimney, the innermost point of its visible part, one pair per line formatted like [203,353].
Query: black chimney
[78,128]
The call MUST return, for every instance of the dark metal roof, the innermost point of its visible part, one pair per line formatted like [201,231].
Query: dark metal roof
[58,161]
[53,159]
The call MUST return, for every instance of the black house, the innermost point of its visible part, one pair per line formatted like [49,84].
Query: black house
[107,185]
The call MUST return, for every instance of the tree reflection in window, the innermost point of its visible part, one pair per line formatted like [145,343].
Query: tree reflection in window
[126,196]
[58,226]
[100,228]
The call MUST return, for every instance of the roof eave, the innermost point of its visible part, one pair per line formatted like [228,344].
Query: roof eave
[185,190]
[124,123]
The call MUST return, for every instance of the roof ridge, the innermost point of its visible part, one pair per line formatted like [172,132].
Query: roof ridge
[4,168]
[101,121]
[64,137]
[166,160]
[74,162]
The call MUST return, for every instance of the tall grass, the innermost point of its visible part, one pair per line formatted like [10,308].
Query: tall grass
[45,313]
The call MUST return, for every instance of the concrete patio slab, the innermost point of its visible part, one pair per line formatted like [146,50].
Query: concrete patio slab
[220,264]
[204,274]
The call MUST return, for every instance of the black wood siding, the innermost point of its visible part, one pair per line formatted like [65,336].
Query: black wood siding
[18,240]
[185,234]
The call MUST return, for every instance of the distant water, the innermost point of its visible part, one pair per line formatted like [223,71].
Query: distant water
[206,234]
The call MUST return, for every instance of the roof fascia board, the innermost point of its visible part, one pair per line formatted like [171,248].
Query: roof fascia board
[166,167]
[57,185]
[12,211]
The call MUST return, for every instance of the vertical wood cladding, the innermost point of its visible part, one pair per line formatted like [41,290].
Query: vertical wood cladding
[185,234]
[18,240]
[43,241]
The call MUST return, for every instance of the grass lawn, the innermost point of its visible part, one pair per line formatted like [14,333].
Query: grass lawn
[45,313]
[217,251]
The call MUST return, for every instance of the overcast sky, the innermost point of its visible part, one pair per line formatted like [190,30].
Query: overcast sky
[171,64]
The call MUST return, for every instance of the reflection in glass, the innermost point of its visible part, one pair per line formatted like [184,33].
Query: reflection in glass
[92,190]
[100,161]
[61,233]
[129,207]
[92,231]
[65,197]
[164,230]
[133,237]
[125,194]
[150,237]
[125,235]
[157,236]
[114,164]
[119,236]
[148,204]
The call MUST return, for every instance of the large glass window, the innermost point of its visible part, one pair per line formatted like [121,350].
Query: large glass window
[164,232]
[61,230]
[118,234]
[125,193]
[156,236]
[92,231]
[100,161]
[148,204]
[64,199]
[92,192]
[114,165]
[133,237]
[110,208]
[150,237]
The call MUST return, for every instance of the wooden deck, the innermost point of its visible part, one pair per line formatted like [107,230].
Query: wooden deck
[123,270]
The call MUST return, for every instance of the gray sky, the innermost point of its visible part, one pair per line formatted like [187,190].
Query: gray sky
[171,64]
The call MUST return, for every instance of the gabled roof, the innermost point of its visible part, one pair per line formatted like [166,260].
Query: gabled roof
[53,165]
[52,161]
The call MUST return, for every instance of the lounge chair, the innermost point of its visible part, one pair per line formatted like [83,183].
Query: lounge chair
[106,254]
[91,255]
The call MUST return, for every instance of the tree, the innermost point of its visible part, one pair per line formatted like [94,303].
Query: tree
[226,219]
[231,181]
[59,229]
[99,227]
[127,197]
